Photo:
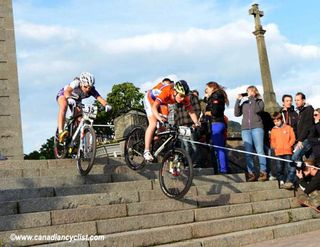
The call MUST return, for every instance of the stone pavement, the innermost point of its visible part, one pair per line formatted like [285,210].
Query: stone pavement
[309,239]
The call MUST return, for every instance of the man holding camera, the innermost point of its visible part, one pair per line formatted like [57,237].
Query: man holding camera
[304,127]
[309,183]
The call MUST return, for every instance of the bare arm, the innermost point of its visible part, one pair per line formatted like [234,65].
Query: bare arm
[193,116]
[102,101]
[154,109]
[67,92]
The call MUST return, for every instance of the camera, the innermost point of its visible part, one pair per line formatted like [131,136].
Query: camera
[300,165]
[244,94]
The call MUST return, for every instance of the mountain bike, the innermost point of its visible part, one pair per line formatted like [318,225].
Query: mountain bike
[176,172]
[81,141]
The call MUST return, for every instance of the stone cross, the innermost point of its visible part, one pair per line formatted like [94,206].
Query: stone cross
[269,96]
[257,14]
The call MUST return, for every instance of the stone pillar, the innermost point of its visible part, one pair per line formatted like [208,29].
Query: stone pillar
[10,119]
[269,95]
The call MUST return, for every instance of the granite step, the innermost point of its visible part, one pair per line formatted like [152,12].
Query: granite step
[52,186]
[182,232]
[251,236]
[162,228]
[119,172]
[121,219]
[138,202]
[49,180]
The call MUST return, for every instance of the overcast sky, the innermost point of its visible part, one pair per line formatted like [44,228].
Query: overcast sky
[143,40]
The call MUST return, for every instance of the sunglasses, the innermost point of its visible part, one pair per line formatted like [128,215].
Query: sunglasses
[87,87]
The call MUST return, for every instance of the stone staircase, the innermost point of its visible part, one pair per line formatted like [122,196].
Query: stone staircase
[128,208]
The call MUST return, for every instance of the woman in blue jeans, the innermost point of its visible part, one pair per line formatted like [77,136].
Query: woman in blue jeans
[216,101]
[252,130]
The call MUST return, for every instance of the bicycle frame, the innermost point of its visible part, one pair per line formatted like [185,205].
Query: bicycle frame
[88,115]
[173,137]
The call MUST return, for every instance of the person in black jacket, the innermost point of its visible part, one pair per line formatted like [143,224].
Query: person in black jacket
[309,183]
[289,115]
[304,127]
[309,179]
[315,139]
[216,101]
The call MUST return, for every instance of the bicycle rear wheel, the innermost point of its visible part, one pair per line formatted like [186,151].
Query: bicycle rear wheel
[59,148]
[87,151]
[134,147]
[176,173]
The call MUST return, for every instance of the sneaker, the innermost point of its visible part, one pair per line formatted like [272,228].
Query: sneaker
[263,177]
[288,186]
[63,135]
[251,177]
[272,178]
[147,156]
[281,184]
[3,158]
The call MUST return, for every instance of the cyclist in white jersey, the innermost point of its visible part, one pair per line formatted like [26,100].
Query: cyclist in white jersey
[80,88]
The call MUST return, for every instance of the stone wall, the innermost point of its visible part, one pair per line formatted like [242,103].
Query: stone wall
[124,123]
[10,119]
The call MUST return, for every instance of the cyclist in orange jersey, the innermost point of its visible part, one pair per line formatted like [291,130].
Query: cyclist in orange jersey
[153,93]
[162,95]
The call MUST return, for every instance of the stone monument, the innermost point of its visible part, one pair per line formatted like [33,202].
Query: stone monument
[269,96]
[10,119]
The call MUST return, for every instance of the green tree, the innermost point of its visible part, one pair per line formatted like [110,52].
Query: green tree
[34,155]
[46,149]
[45,152]
[123,97]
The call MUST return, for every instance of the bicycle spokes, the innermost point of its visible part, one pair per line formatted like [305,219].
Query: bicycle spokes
[176,173]
[87,150]
[86,146]
[134,147]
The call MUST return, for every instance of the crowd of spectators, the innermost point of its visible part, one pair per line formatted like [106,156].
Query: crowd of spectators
[291,134]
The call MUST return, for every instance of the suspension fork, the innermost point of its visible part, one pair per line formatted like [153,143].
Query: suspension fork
[82,134]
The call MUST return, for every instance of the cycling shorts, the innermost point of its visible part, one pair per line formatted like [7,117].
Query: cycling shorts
[163,109]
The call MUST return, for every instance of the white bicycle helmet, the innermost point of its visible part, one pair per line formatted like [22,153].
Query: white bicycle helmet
[87,79]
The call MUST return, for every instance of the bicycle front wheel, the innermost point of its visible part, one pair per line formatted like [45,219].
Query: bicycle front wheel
[59,148]
[176,173]
[86,151]
[134,147]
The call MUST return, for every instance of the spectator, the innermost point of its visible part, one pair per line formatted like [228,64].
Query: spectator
[195,93]
[252,130]
[217,99]
[282,139]
[289,115]
[304,127]
[268,124]
[309,183]
[182,118]
[315,140]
